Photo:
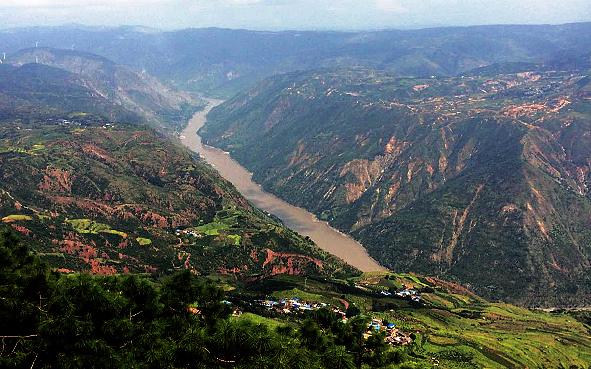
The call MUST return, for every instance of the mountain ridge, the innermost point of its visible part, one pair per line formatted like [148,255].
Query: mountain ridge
[90,187]
[161,106]
[220,62]
[438,176]
[103,198]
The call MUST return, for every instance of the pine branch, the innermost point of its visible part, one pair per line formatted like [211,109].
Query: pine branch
[222,360]
[37,354]
[131,316]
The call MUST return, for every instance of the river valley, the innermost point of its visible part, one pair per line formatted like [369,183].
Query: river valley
[293,217]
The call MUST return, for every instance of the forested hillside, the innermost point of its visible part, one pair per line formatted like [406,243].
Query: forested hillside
[481,179]
[52,320]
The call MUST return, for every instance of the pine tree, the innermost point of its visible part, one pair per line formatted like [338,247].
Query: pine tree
[25,283]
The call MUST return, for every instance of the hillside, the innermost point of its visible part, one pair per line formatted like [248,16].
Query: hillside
[222,61]
[161,106]
[449,327]
[377,320]
[35,87]
[481,179]
[90,195]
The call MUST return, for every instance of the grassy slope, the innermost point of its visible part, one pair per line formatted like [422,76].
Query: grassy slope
[453,328]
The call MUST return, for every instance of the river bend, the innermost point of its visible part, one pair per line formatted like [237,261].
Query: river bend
[293,217]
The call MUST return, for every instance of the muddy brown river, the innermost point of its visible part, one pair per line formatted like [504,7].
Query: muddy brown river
[293,217]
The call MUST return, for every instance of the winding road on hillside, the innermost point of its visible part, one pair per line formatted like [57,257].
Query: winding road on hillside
[293,217]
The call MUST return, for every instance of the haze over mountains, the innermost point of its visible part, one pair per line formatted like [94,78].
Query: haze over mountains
[222,61]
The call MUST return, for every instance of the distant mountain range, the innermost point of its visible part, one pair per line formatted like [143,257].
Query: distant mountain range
[481,179]
[222,61]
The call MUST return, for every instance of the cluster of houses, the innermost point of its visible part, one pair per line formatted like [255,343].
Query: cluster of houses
[286,306]
[405,292]
[189,232]
[393,335]
[60,122]
[294,304]
[67,122]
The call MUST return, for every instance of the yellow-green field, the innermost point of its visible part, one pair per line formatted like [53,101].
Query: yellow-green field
[16,217]
[90,226]
[143,241]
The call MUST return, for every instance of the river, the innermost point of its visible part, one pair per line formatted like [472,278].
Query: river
[293,217]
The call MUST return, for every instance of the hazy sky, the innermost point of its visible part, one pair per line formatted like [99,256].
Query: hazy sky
[291,14]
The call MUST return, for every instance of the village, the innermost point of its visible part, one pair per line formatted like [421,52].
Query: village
[393,335]
[405,292]
[188,231]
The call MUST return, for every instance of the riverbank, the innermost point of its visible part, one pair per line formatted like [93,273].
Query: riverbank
[300,220]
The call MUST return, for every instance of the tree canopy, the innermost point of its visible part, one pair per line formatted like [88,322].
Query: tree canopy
[52,320]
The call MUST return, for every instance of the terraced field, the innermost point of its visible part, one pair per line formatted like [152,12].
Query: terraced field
[452,328]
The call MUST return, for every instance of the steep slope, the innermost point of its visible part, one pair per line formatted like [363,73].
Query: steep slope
[222,61]
[34,87]
[481,179]
[161,106]
[90,195]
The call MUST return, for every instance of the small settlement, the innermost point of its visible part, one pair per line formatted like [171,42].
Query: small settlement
[189,232]
[393,335]
[405,292]
[287,306]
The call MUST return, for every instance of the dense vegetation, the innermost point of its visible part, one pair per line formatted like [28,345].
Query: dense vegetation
[52,320]
[480,179]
